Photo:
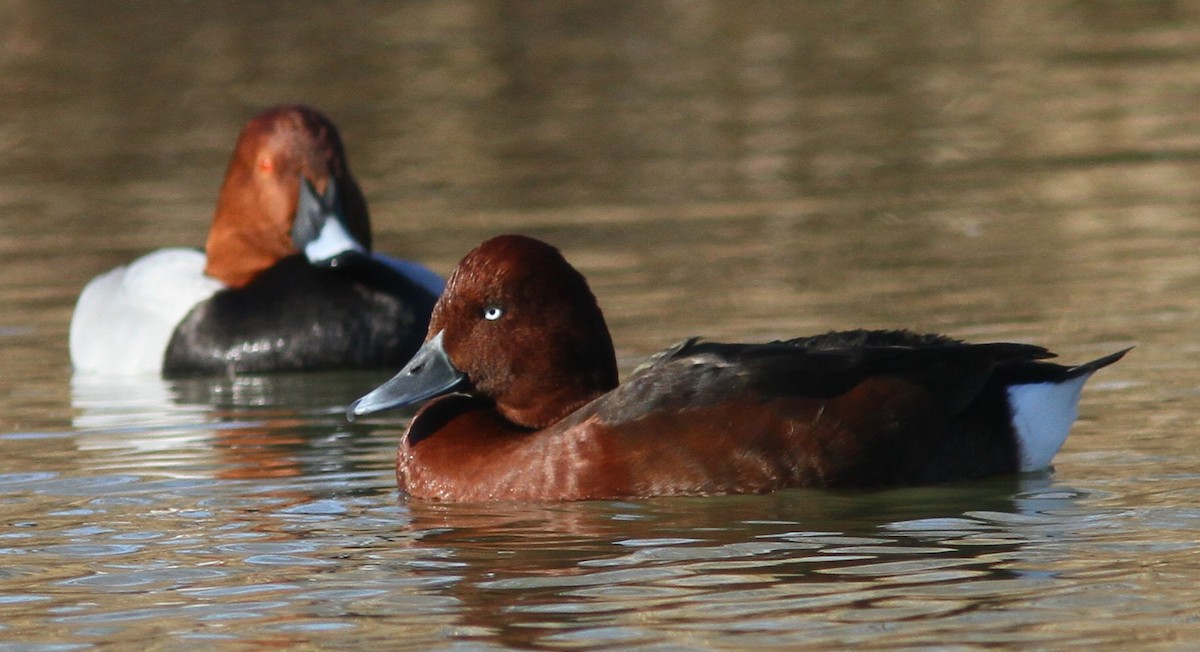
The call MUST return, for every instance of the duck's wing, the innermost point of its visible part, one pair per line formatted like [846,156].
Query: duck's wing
[830,364]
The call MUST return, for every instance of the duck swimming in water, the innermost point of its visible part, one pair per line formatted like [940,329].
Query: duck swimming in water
[518,381]
[287,281]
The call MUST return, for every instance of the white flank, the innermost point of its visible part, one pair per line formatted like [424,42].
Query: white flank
[1042,416]
[124,318]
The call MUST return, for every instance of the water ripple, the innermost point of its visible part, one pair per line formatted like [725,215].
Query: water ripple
[589,579]
[146,579]
[92,549]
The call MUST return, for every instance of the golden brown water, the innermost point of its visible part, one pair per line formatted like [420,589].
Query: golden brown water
[745,171]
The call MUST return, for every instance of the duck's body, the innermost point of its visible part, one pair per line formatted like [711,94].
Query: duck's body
[299,316]
[542,418]
[287,281]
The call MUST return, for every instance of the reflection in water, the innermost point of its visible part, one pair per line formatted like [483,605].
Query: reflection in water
[784,565]
[244,427]
[773,570]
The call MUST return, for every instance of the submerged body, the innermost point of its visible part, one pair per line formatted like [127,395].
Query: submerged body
[525,403]
[287,282]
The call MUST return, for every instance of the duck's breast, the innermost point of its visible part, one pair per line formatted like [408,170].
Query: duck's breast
[297,316]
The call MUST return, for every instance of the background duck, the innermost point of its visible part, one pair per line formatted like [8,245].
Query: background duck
[287,280]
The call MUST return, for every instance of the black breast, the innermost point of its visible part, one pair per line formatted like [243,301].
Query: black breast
[296,316]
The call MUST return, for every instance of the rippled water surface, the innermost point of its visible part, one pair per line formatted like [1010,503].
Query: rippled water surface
[751,170]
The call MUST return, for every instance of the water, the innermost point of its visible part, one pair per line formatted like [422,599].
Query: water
[1015,171]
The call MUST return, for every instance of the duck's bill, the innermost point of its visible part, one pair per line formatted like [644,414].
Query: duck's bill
[319,227]
[430,373]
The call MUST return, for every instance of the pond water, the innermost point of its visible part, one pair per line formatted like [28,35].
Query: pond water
[744,171]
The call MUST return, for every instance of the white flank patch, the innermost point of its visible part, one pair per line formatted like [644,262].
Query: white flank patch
[1042,415]
[124,318]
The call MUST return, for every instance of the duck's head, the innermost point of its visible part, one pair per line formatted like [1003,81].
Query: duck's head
[518,325]
[288,190]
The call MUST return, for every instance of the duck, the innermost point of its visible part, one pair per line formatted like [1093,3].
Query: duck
[287,280]
[519,399]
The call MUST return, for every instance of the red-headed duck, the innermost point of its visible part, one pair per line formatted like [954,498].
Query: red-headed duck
[287,280]
[521,401]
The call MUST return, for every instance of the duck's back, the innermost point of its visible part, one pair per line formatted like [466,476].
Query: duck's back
[857,408]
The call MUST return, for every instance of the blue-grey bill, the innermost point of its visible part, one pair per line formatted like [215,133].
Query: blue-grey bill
[319,228]
[429,374]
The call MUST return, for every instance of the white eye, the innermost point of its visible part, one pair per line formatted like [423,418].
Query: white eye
[492,313]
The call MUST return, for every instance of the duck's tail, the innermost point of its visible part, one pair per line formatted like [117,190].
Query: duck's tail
[1043,411]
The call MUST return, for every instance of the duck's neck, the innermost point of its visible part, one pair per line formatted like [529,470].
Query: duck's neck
[249,231]
[552,407]
[560,383]
[235,258]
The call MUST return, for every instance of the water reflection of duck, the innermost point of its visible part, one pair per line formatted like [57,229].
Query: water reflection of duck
[245,427]
[287,281]
[534,410]
[647,564]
